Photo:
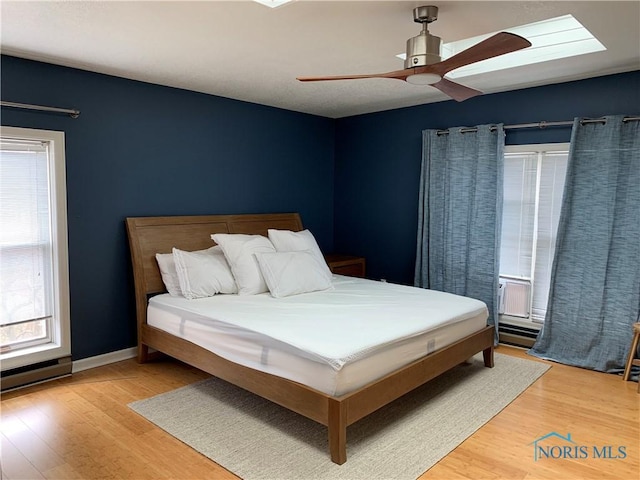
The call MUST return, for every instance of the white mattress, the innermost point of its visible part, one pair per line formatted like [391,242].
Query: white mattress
[334,341]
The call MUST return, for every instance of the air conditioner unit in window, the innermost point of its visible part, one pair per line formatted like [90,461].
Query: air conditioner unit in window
[514,297]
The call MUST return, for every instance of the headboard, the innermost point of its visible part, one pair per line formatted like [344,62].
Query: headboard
[151,235]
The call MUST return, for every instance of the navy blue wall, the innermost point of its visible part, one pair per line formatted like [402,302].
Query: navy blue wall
[377,159]
[141,149]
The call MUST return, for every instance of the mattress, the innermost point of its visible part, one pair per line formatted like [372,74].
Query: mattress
[334,341]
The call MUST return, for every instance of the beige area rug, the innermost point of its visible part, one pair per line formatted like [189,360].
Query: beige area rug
[257,439]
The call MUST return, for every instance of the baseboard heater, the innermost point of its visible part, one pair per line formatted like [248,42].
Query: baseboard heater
[38,372]
[517,335]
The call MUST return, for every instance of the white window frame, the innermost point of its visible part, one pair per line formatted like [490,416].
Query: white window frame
[540,149]
[60,345]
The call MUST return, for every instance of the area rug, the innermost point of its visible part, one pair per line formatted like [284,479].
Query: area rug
[257,439]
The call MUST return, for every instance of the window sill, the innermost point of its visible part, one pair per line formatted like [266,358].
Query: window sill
[520,322]
[32,355]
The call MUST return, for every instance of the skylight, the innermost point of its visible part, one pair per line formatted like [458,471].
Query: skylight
[272,3]
[551,39]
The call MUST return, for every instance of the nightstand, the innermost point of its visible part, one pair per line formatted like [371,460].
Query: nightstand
[346,265]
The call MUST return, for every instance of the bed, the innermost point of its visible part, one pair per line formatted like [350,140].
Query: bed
[334,403]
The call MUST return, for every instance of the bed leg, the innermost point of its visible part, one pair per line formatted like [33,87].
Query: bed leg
[487,354]
[337,431]
[143,353]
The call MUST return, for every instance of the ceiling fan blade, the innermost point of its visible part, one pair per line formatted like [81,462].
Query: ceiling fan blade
[458,92]
[397,74]
[499,44]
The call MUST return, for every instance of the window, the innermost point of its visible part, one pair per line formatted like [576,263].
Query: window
[34,279]
[533,186]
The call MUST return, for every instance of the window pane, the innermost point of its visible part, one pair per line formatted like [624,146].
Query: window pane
[24,334]
[518,214]
[26,282]
[552,175]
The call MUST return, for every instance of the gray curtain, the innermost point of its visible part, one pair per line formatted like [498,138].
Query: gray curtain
[460,213]
[594,296]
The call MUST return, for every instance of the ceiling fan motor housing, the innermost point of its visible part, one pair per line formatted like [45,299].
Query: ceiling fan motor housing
[423,49]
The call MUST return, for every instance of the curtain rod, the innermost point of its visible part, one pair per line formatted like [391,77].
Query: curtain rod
[541,124]
[71,112]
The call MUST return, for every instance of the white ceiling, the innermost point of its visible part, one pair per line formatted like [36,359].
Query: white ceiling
[243,50]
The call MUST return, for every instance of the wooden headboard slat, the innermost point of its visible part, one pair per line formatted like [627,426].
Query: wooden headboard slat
[259,226]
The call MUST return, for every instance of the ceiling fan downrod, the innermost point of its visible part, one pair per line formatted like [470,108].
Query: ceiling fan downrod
[423,49]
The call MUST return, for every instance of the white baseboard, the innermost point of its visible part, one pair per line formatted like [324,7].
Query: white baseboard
[105,359]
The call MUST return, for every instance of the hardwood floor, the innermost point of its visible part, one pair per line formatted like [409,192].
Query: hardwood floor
[81,428]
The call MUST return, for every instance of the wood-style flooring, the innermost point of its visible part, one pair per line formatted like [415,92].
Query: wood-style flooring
[81,428]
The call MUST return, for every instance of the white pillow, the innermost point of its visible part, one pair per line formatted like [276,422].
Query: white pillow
[203,273]
[292,273]
[169,274]
[288,241]
[239,250]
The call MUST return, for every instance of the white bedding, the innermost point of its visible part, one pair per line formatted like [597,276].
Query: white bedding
[334,341]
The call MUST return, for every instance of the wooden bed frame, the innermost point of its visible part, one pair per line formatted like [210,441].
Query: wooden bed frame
[151,235]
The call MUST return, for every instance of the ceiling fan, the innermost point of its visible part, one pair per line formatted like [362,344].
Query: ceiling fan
[423,65]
